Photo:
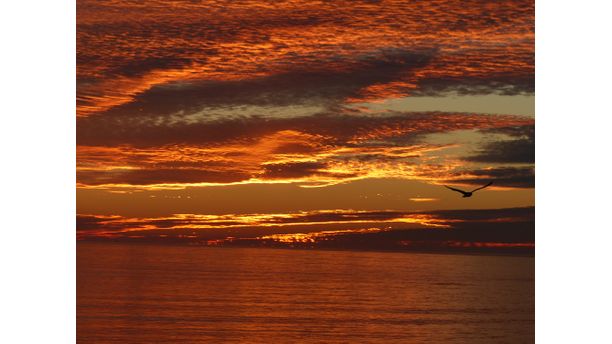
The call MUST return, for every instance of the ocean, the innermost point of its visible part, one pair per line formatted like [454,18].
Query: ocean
[136,293]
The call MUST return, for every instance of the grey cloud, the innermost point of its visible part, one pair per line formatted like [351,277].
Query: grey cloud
[326,83]
[518,150]
[522,177]
[147,176]
[394,128]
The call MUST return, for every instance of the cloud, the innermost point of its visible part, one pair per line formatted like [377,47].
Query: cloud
[480,47]
[213,225]
[194,93]
[317,149]
[500,228]
[521,149]
[518,177]
[488,215]
[86,223]
[378,75]
[492,230]
[440,218]
[328,83]
[331,126]
[290,170]
[473,85]
[149,176]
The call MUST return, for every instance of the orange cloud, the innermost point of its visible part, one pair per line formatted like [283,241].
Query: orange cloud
[437,230]
[94,225]
[122,56]
[312,151]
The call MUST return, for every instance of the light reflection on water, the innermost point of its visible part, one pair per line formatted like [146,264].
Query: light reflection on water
[169,294]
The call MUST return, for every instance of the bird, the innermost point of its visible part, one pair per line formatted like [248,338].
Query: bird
[469,193]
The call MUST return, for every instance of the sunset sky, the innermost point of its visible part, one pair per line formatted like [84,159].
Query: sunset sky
[208,120]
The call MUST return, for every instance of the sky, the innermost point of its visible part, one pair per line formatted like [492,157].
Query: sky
[306,122]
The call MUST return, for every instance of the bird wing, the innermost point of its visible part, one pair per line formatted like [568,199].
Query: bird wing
[482,187]
[463,192]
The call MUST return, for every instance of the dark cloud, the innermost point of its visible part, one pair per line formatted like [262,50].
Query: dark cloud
[440,217]
[337,128]
[85,223]
[292,170]
[503,85]
[487,215]
[519,150]
[496,228]
[296,148]
[240,149]
[518,177]
[469,236]
[189,29]
[149,176]
[298,170]
[336,48]
[221,74]
[89,222]
[326,84]
[144,39]
[344,216]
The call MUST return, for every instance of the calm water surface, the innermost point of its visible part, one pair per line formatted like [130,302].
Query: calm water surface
[158,294]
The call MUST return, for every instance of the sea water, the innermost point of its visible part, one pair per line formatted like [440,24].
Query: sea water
[134,293]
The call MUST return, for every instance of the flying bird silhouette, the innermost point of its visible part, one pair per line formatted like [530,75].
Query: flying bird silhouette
[469,193]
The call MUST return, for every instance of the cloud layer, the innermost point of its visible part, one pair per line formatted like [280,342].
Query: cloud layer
[191,95]
[321,149]
[470,47]
[493,228]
